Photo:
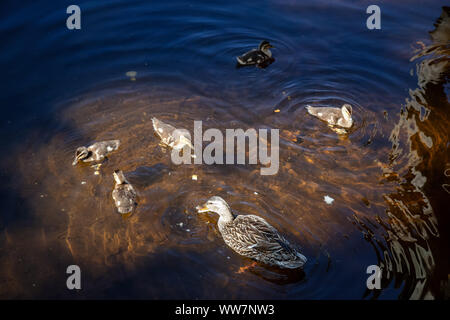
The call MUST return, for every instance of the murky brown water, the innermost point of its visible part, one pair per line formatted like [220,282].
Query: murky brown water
[389,180]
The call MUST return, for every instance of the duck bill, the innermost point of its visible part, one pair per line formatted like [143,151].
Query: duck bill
[202,208]
[74,163]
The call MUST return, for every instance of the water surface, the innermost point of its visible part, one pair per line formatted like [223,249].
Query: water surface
[389,177]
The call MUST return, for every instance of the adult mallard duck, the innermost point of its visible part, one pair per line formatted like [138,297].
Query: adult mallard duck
[95,152]
[171,136]
[253,237]
[260,57]
[340,117]
[123,194]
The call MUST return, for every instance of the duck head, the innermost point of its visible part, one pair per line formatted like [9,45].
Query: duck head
[119,177]
[265,46]
[80,154]
[217,205]
[347,111]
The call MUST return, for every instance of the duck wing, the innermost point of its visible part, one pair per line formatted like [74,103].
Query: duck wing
[109,146]
[99,150]
[330,115]
[124,197]
[252,57]
[254,237]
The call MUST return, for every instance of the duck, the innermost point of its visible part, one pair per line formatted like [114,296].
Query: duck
[123,194]
[260,57]
[253,237]
[95,152]
[339,117]
[171,136]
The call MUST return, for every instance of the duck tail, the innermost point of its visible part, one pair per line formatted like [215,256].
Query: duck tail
[302,259]
[309,109]
[116,144]
[295,262]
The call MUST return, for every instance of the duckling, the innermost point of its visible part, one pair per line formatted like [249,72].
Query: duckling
[333,116]
[260,57]
[171,136]
[123,194]
[96,151]
[253,237]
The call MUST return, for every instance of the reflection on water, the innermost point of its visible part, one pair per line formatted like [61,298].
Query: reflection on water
[417,163]
[387,176]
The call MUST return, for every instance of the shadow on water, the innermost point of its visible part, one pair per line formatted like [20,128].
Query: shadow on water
[145,176]
[415,223]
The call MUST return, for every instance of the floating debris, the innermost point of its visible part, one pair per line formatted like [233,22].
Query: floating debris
[96,168]
[255,193]
[83,182]
[194,177]
[328,199]
[131,75]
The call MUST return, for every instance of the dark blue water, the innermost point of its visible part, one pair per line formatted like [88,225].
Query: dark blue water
[64,88]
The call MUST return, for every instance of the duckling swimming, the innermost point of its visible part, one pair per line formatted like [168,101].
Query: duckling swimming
[333,116]
[123,194]
[261,57]
[170,135]
[95,152]
[253,237]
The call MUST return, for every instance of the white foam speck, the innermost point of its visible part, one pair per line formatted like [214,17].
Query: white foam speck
[328,199]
